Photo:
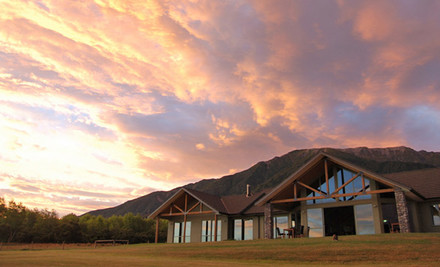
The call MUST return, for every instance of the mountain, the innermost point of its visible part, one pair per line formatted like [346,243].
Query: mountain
[267,174]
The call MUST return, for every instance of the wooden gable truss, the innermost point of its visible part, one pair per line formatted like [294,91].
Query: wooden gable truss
[295,184]
[183,204]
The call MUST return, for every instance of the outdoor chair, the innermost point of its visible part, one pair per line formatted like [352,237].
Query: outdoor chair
[279,234]
[300,231]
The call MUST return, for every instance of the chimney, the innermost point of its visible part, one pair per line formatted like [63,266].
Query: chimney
[248,190]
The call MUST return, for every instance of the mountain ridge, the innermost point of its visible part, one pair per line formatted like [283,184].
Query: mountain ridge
[268,174]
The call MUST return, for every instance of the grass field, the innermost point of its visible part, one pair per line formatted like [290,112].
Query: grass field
[379,250]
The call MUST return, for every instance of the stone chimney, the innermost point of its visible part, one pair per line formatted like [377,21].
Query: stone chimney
[248,190]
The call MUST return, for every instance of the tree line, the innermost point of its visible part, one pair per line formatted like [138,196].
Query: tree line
[21,224]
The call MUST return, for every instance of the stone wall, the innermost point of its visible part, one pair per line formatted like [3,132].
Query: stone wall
[402,210]
[268,221]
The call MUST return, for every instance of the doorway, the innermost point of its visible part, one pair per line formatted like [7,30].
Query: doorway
[339,221]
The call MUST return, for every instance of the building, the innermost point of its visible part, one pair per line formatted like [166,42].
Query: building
[326,196]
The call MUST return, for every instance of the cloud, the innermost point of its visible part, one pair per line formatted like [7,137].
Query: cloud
[104,95]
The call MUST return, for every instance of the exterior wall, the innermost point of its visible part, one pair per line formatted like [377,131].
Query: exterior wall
[425,215]
[414,218]
[196,227]
[170,232]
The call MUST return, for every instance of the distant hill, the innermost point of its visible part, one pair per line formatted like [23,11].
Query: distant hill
[267,174]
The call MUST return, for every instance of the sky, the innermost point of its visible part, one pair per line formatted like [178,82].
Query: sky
[105,101]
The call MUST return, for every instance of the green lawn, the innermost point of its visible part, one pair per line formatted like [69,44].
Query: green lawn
[380,250]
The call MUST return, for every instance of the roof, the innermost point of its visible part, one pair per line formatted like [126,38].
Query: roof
[212,201]
[241,204]
[426,182]
[231,205]
[316,160]
[423,183]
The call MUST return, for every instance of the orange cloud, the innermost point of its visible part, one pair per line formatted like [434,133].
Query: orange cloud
[155,94]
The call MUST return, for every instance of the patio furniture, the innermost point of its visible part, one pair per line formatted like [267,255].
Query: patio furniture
[395,228]
[290,232]
[279,234]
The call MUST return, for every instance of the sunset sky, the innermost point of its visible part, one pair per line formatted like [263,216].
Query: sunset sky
[105,101]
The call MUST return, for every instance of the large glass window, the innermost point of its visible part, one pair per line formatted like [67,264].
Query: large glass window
[342,176]
[314,220]
[243,229]
[248,229]
[354,187]
[208,230]
[281,223]
[364,219]
[436,214]
[238,229]
[178,232]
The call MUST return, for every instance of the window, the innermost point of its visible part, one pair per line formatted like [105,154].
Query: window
[208,230]
[281,223]
[364,219]
[178,232]
[342,176]
[436,214]
[243,229]
[248,229]
[314,220]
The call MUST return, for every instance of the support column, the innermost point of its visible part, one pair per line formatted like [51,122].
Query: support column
[402,210]
[184,229]
[268,221]
[157,230]
[215,228]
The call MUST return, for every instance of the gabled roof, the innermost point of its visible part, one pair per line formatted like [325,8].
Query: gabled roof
[316,160]
[231,205]
[212,202]
[428,187]
[240,204]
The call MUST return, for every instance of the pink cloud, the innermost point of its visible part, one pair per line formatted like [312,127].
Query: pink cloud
[162,93]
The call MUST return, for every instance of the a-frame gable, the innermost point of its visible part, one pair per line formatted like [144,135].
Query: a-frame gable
[184,202]
[320,165]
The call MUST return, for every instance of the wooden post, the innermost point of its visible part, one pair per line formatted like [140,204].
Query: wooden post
[326,176]
[184,218]
[294,190]
[184,229]
[215,228]
[156,238]
[363,183]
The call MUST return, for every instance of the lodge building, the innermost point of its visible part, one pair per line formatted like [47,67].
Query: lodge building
[326,196]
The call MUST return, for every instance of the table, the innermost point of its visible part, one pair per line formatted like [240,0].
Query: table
[290,232]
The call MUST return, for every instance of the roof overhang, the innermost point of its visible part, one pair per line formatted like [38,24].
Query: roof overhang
[315,161]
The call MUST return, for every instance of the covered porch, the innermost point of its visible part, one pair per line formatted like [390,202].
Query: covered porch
[329,196]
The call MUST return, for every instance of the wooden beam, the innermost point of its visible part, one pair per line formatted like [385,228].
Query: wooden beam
[346,183]
[184,228]
[363,183]
[313,189]
[326,175]
[177,207]
[296,200]
[333,196]
[186,202]
[215,228]
[187,213]
[193,207]
[294,190]
[157,230]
